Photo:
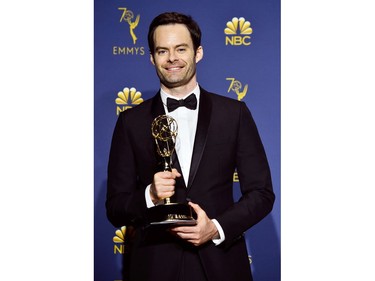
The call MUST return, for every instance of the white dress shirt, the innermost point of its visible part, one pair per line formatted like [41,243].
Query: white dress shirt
[187,120]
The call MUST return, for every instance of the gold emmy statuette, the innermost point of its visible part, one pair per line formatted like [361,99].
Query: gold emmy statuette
[164,130]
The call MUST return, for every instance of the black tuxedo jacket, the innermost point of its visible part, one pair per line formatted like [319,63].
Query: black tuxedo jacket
[226,139]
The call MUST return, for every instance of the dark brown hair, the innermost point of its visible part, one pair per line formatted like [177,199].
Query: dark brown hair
[175,18]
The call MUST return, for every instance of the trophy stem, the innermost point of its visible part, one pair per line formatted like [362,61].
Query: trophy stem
[167,167]
[164,131]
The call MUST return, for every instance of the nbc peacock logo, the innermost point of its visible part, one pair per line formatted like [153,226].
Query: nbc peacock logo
[127,98]
[238,32]
[119,240]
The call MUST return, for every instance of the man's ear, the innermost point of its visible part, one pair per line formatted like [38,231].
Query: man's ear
[198,54]
[152,59]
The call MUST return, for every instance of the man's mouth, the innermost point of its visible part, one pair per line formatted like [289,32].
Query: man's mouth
[174,68]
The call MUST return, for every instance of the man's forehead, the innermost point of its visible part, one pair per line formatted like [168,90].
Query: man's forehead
[172,34]
[170,28]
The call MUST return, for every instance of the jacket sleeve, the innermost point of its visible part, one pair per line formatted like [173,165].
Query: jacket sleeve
[257,196]
[125,201]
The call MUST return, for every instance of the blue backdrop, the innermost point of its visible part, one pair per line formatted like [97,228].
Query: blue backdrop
[241,41]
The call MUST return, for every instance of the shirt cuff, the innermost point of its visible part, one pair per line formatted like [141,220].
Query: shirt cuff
[149,202]
[221,233]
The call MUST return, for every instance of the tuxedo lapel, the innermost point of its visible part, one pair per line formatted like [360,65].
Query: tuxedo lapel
[204,117]
[157,107]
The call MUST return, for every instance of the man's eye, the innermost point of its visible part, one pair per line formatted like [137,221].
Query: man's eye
[162,52]
[181,50]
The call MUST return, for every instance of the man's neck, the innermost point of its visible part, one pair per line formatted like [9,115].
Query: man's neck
[179,92]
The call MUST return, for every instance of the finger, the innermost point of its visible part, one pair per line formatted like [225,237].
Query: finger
[168,183]
[186,236]
[184,229]
[166,194]
[170,174]
[166,189]
[167,175]
[195,207]
[176,173]
[163,191]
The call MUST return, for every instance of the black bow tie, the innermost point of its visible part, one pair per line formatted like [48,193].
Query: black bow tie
[190,102]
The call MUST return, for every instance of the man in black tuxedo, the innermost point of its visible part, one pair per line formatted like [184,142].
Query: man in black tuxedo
[216,136]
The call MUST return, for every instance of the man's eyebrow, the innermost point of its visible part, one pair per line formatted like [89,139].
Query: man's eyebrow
[177,46]
[160,48]
[182,45]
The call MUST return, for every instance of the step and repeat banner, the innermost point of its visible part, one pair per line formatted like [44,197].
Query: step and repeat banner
[241,42]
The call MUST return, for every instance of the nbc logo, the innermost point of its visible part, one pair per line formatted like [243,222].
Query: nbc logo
[127,98]
[235,26]
[119,240]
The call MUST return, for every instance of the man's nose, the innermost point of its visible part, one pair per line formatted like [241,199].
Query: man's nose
[173,56]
